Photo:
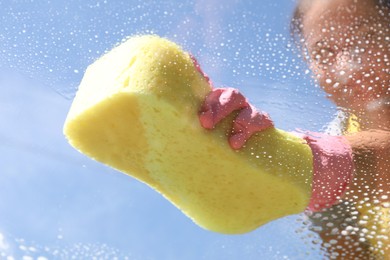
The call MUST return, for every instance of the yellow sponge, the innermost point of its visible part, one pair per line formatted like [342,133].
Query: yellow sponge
[136,110]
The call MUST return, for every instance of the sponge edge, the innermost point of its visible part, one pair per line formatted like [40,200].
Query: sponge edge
[136,110]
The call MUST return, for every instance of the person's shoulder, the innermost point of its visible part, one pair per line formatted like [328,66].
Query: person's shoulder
[343,123]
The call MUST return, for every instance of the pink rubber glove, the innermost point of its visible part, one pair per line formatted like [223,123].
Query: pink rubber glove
[333,169]
[248,122]
[223,101]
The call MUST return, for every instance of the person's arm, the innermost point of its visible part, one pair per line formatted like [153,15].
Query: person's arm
[371,154]
[371,142]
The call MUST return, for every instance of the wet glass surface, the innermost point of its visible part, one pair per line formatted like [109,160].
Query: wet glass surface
[58,204]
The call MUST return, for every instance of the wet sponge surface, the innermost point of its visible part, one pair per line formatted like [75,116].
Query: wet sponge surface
[136,110]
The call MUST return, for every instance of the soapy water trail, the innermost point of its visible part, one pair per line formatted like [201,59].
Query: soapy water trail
[55,42]
[12,248]
[237,44]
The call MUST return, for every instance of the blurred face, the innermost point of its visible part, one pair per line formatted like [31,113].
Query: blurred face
[348,42]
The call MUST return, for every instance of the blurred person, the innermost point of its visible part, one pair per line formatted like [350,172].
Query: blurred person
[347,43]
[347,47]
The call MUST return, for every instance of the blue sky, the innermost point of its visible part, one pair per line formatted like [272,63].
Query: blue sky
[56,203]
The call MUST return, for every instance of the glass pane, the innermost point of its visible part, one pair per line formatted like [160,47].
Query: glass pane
[330,76]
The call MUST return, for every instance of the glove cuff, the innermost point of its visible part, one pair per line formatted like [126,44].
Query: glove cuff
[333,169]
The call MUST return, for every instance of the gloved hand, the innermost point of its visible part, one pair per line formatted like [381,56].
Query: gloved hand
[223,101]
[332,155]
